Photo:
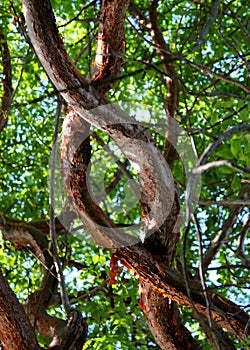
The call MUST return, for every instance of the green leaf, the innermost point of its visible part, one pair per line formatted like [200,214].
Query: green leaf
[236,183]
[236,148]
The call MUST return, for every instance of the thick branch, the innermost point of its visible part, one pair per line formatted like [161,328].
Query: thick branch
[25,235]
[7,82]
[172,285]
[75,158]
[136,144]
[162,313]
[110,45]
[16,332]
[164,320]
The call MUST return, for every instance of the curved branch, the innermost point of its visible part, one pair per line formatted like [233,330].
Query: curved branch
[136,144]
[218,163]
[204,157]
[23,235]
[75,159]
[161,313]
[211,148]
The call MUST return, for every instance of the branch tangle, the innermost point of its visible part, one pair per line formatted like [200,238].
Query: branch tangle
[137,145]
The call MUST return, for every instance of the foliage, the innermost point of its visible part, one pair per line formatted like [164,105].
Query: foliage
[213,79]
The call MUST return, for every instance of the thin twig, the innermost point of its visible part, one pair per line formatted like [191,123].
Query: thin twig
[211,148]
[213,11]
[223,202]
[243,235]
[226,229]
[211,329]
[217,163]
[64,295]
[78,15]
[204,69]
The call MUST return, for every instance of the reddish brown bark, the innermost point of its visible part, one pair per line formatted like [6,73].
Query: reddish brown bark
[108,62]
[154,272]
[6,81]
[61,332]
[134,141]
[164,320]
[16,332]
[162,313]
[172,285]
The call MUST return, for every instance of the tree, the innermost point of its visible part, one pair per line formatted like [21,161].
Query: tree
[151,107]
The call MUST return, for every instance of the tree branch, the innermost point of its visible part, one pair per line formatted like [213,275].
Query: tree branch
[232,202]
[217,163]
[57,261]
[227,228]
[213,13]
[136,144]
[204,69]
[7,82]
[23,235]
[110,44]
[243,235]
[172,285]
[15,332]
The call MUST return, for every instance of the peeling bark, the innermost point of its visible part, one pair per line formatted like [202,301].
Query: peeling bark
[136,144]
[171,284]
[161,313]
[108,62]
[7,82]
[152,261]
[23,235]
[164,321]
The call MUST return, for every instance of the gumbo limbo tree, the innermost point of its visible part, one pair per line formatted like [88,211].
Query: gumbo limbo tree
[125,162]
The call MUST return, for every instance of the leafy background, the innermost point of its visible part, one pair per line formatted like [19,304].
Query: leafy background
[208,106]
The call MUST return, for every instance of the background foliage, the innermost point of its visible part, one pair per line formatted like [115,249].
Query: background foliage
[212,74]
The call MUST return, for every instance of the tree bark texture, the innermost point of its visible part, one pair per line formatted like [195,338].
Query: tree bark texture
[137,144]
[16,332]
[158,281]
